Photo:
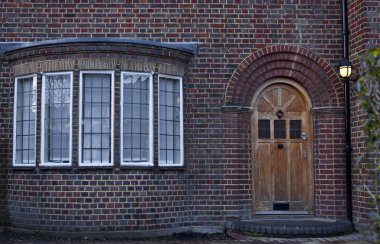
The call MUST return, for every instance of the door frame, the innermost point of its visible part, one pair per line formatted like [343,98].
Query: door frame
[310,191]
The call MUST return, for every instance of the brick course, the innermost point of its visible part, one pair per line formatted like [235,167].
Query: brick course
[241,44]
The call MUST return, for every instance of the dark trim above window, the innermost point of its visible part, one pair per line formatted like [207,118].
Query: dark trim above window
[188,47]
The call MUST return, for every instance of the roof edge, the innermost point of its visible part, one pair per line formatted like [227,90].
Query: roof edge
[188,47]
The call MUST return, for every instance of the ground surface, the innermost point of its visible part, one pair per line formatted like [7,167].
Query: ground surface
[230,238]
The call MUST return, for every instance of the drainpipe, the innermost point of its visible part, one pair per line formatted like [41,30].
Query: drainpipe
[347,112]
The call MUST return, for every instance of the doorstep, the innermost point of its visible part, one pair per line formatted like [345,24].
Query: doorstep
[291,226]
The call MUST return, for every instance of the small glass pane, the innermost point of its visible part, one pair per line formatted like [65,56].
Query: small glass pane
[170,156]
[105,156]
[96,125]
[162,156]
[105,141]
[177,143]
[136,155]
[279,129]
[96,141]
[96,156]
[295,129]
[163,141]
[127,153]
[86,156]
[87,125]
[177,155]
[264,128]
[87,141]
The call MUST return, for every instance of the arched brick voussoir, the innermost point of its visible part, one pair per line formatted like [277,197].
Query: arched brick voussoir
[318,97]
[293,62]
[283,68]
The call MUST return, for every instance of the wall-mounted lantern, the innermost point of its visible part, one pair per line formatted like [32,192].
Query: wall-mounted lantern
[345,68]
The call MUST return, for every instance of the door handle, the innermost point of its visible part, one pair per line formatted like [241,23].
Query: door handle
[280,146]
[304,136]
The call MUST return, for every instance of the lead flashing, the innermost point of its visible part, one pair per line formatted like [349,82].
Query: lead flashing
[188,47]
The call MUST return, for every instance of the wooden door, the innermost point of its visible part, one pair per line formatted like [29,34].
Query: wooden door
[282,153]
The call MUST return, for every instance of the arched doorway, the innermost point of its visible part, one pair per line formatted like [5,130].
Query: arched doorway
[282,149]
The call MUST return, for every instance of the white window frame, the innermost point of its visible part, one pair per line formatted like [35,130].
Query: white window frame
[151,118]
[80,159]
[42,154]
[34,85]
[181,122]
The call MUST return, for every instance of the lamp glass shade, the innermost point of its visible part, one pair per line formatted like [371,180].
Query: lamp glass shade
[345,71]
[345,68]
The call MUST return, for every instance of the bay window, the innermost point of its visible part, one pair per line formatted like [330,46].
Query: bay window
[140,136]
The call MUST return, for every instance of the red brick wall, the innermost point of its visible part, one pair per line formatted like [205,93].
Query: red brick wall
[330,183]
[5,142]
[216,184]
[364,25]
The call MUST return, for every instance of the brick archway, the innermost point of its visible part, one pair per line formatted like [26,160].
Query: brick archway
[324,88]
[293,62]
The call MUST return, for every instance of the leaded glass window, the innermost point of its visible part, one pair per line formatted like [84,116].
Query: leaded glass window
[170,121]
[96,118]
[24,135]
[56,119]
[137,126]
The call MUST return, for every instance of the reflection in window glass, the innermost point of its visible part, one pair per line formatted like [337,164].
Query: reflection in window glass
[56,118]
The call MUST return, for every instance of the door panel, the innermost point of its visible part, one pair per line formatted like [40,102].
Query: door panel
[281,169]
[265,171]
[280,172]
[297,174]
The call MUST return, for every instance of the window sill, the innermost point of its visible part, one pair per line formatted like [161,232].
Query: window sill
[23,167]
[142,167]
[48,167]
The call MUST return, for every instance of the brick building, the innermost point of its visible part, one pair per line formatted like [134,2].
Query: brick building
[156,116]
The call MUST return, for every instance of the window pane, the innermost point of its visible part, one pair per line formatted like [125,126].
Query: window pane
[279,129]
[295,129]
[264,129]
[97,156]
[25,110]
[135,131]
[96,133]
[57,117]
[170,137]
[96,140]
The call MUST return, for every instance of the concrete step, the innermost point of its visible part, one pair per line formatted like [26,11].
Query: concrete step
[299,227]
